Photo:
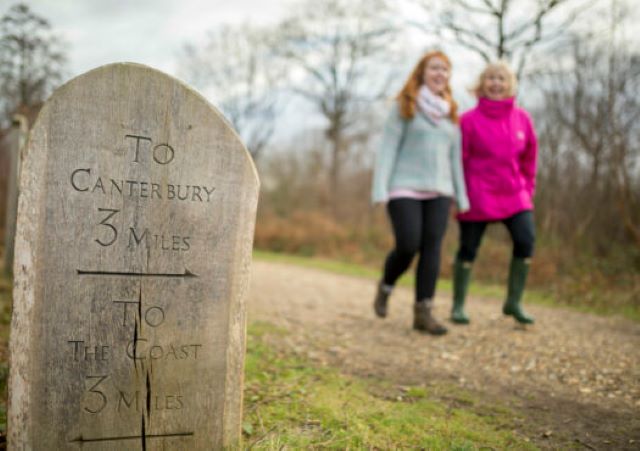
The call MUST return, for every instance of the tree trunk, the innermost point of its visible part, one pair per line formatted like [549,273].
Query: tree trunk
[334,179]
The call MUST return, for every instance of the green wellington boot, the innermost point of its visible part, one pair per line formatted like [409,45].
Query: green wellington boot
[518,271]
[461,276]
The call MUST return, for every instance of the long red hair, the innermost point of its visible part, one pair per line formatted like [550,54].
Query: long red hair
[409,93]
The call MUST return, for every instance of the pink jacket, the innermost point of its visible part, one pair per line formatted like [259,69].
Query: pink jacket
[499,152]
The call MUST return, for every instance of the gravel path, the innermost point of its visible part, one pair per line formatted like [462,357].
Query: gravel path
[574,378]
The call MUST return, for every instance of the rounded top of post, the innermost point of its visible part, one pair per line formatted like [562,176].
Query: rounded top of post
[134,74]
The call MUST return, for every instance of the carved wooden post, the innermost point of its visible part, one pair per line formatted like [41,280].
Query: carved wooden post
[133,249]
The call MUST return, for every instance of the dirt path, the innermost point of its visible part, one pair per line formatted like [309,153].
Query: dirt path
[573,378]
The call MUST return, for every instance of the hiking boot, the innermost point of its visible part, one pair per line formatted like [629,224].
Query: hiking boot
[381,300]
[518,271]
[424,321]
[461,276]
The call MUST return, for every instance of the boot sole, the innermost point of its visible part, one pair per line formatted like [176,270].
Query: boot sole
[519,320]
[458,320]
[379,314]
[430,332]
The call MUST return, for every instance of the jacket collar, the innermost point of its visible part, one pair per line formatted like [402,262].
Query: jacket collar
[496,108]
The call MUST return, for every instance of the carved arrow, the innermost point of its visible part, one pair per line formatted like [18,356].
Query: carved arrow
[186,274]
[130,437]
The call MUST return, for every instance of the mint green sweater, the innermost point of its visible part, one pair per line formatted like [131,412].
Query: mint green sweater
[419,155]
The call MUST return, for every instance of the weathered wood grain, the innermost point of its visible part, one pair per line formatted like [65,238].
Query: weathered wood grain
[135,227]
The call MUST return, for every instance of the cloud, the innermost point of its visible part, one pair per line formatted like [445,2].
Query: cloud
[146,31]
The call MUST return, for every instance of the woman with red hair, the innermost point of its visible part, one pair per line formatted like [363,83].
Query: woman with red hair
[418,170]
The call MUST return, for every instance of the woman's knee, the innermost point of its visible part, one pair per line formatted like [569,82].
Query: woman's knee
[523,234]
[470,238]
[432,239]
[407,246]
[523,245]
[467,253]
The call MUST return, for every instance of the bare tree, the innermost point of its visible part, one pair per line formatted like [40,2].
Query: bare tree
[594,101]
[32,60]
[236,68]
[502,29]
[340,54]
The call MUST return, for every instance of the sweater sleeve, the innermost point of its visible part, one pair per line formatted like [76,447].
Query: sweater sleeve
[528,160]
[458,174]
[386,156]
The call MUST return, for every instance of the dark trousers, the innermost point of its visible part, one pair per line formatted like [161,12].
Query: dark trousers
[418,226]
[521,229]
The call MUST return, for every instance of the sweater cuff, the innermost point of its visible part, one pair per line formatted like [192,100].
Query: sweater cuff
[463,204]
[379,198]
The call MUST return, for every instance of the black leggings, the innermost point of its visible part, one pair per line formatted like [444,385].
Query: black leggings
[520,228]
[418,226]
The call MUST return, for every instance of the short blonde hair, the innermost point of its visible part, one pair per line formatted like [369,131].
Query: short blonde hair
[498,66]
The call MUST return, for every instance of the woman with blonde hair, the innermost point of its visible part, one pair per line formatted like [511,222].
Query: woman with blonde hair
[418,169]
[499,148]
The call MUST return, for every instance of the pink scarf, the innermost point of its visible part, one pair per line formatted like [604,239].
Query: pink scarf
[431,105]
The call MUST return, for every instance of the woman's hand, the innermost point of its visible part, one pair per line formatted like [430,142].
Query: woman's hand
[456,211]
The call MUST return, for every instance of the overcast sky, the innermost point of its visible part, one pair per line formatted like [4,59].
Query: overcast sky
[145,31]
[152,32]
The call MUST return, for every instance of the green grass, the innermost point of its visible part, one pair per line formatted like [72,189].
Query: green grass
[443,285]
[291,403]
[5,321]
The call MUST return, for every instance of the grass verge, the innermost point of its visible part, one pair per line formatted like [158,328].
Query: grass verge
[292,403]
[5,321]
